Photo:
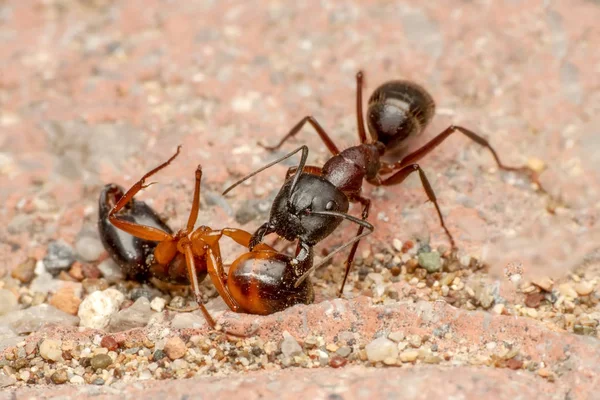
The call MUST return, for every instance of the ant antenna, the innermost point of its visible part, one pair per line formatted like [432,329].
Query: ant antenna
[296,175]
[358,221]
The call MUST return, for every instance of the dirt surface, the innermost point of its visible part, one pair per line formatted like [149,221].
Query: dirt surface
[101,91]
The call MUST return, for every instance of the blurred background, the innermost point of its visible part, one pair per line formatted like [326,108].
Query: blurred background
[98,91]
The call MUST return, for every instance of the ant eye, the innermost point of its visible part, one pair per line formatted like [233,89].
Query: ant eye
[330,206]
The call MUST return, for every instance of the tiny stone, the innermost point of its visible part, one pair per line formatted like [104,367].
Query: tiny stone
[344,351]
[101,361]
[111,271]
[584,288]
[65,300]
[8,301]
[431,261]
[498,309]
[567,290]
[109,342]
[96,310]
[289,345]
[395,270]
[380,349]
[158,304]
[177,302]
[409,355]
[51,350]
[89,248]
[6,380]
[396,336]
[414,340]
[397,243]
[90,271]
[533,300]
[59,377]
[337,361]
[94,285]
[514,364]
[77,380]
[136,316]
[544,372]
[158,355]
[25,271]
[544,283]
[390,361]
[175,348]
[98,381]
[59,257]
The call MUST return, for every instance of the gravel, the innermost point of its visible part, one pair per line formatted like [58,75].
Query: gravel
[59,258]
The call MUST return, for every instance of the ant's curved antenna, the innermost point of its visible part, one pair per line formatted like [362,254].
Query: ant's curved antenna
[303,158]
[355,239]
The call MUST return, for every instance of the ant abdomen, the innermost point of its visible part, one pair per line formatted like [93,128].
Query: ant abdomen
[398,110]
[261,282]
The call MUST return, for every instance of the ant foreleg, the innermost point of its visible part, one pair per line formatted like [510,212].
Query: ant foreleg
[365,214]
[320,131]
[401,175]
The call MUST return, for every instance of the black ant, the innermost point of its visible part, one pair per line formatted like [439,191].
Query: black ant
[261,281]
[398,111]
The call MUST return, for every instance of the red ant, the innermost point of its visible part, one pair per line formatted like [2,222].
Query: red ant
[261,281]
[398,111]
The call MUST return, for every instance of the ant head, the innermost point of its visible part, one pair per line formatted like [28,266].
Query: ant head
[292,214]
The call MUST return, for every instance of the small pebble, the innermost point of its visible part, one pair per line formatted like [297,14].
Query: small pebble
[337,361]
[397,244]
[94,285]
[8,301]
[414,340]
[51,350]
[158,355]
[567,290]
[65,300]
[109,342]
[101,361]
[77,380]
[289,345]
[409,355]
[584,288]
[89,248]
[177,302]
[533,300]
[158,304]
[431,261]
[90,271]
[343,351]
[175,348]
[396,336]
[59,377]
[25,271]
[6,380]
[381,349]
[96,310]
[544,283]
[111,271]
[59,257]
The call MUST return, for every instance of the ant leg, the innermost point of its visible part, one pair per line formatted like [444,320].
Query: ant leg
[140,231]
[402,174]
[362,134]
[216,271]
[189,258]
[196,201]
[322,134]
[436,141]
[309,169]
[243,238]
[365,214]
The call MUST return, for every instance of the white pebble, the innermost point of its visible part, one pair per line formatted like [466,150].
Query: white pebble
[380,349]
[89,248]
[111,271]
[51,350]
[76,379]
[158,304]
[289,345]
[95,311]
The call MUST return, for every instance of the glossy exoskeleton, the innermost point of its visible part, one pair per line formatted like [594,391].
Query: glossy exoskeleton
[398,111]
[261,281]
[133,255]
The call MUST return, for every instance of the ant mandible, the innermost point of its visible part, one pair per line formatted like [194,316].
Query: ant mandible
[261,281]
[398,111]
